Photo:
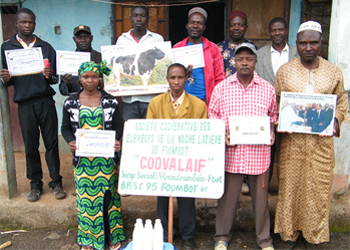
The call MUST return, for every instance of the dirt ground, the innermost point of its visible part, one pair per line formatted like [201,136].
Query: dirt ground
[62,240]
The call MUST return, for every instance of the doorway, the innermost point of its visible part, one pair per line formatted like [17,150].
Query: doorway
[215,30]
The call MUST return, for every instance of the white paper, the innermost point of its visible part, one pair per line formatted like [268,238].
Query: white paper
[68,62]
[95,143]
[24,61]
[250,130]
[190,55]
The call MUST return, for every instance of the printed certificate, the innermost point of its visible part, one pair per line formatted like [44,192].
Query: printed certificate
[250,130]
[95,143]
[68,62]
[24,61]
[189,55]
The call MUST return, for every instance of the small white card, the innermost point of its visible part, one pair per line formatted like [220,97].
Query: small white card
[189,55]
[250,130]
[95,143]
[68,62]
[24,61]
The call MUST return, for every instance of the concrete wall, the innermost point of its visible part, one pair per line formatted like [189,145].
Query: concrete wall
[69,14]
[339,55]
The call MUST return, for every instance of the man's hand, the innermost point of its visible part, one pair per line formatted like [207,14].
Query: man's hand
[189,69]
[67,78]
[116,146]
[72,146]
[227,137]
[48,72]
[335,129]
[280,131]
[5,75]
[272,137]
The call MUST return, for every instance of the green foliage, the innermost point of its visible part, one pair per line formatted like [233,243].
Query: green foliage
[158,75]
[133,81]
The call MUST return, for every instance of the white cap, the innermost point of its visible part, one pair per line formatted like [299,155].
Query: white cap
[310,25]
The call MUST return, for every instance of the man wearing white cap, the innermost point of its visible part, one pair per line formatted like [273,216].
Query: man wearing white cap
[306,161]
[203,80]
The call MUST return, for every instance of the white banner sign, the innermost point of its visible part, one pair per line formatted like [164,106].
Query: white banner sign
[178,158]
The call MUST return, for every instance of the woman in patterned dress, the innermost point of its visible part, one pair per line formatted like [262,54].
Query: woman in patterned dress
[98,203]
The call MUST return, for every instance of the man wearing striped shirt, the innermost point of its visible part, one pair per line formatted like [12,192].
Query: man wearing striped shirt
[244,94]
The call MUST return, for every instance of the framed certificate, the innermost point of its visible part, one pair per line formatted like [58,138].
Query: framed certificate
[250,130]
[95,143]
[307,113]
[24,61]
[189,55]
[69,61]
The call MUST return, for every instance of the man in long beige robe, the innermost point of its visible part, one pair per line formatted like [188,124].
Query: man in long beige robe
[306,161]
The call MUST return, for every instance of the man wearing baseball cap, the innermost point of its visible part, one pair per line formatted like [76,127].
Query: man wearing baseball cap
[237,26]
[244,94]
[203,80]
[306,161]
[83,39]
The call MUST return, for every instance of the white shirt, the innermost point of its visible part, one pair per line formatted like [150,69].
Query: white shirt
[150,37]
[278,59]
[127,39]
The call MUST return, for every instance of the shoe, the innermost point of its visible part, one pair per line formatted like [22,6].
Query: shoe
[289,245]
[220,245]
[115,247]
[34,195]
[189,244]
[74,193]
[58,191]
[269,248]
[245,188]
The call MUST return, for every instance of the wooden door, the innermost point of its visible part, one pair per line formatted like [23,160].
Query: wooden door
[157,21]
[9,28]
[259,14]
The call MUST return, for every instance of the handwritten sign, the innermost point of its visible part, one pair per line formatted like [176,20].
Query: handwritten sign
[24,61]
[70,61]
[179,158]
[95,143]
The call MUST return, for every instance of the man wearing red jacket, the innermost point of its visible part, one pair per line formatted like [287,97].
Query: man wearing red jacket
[203,80]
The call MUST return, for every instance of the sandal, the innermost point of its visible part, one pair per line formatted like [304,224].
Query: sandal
[116,246]
[86,248]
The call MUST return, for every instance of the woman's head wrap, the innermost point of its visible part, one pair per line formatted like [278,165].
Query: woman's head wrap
[92,66]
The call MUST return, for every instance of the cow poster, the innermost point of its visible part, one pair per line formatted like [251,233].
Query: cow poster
[137,69]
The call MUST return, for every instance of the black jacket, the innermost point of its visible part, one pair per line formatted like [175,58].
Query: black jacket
[112,119]
[30,88]
[65,89]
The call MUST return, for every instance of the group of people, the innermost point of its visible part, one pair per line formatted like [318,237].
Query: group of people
[238,80]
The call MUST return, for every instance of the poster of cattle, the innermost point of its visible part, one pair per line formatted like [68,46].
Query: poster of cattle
[137,69]
[307,113]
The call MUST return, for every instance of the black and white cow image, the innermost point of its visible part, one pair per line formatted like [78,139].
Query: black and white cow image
[139,64]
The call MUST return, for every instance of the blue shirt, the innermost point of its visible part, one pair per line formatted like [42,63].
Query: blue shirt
[195,84]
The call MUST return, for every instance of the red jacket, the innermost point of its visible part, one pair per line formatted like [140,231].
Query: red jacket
[214,66]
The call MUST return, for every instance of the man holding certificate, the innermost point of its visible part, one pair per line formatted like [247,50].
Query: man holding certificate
[306,161]
[203,80]
[36,107]
[243,95]
[83,38]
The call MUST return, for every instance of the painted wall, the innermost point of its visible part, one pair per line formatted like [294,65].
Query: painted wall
[339,55]
[69,14]
[294,20]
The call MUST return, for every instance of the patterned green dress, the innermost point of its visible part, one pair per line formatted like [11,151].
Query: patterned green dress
[93,178]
